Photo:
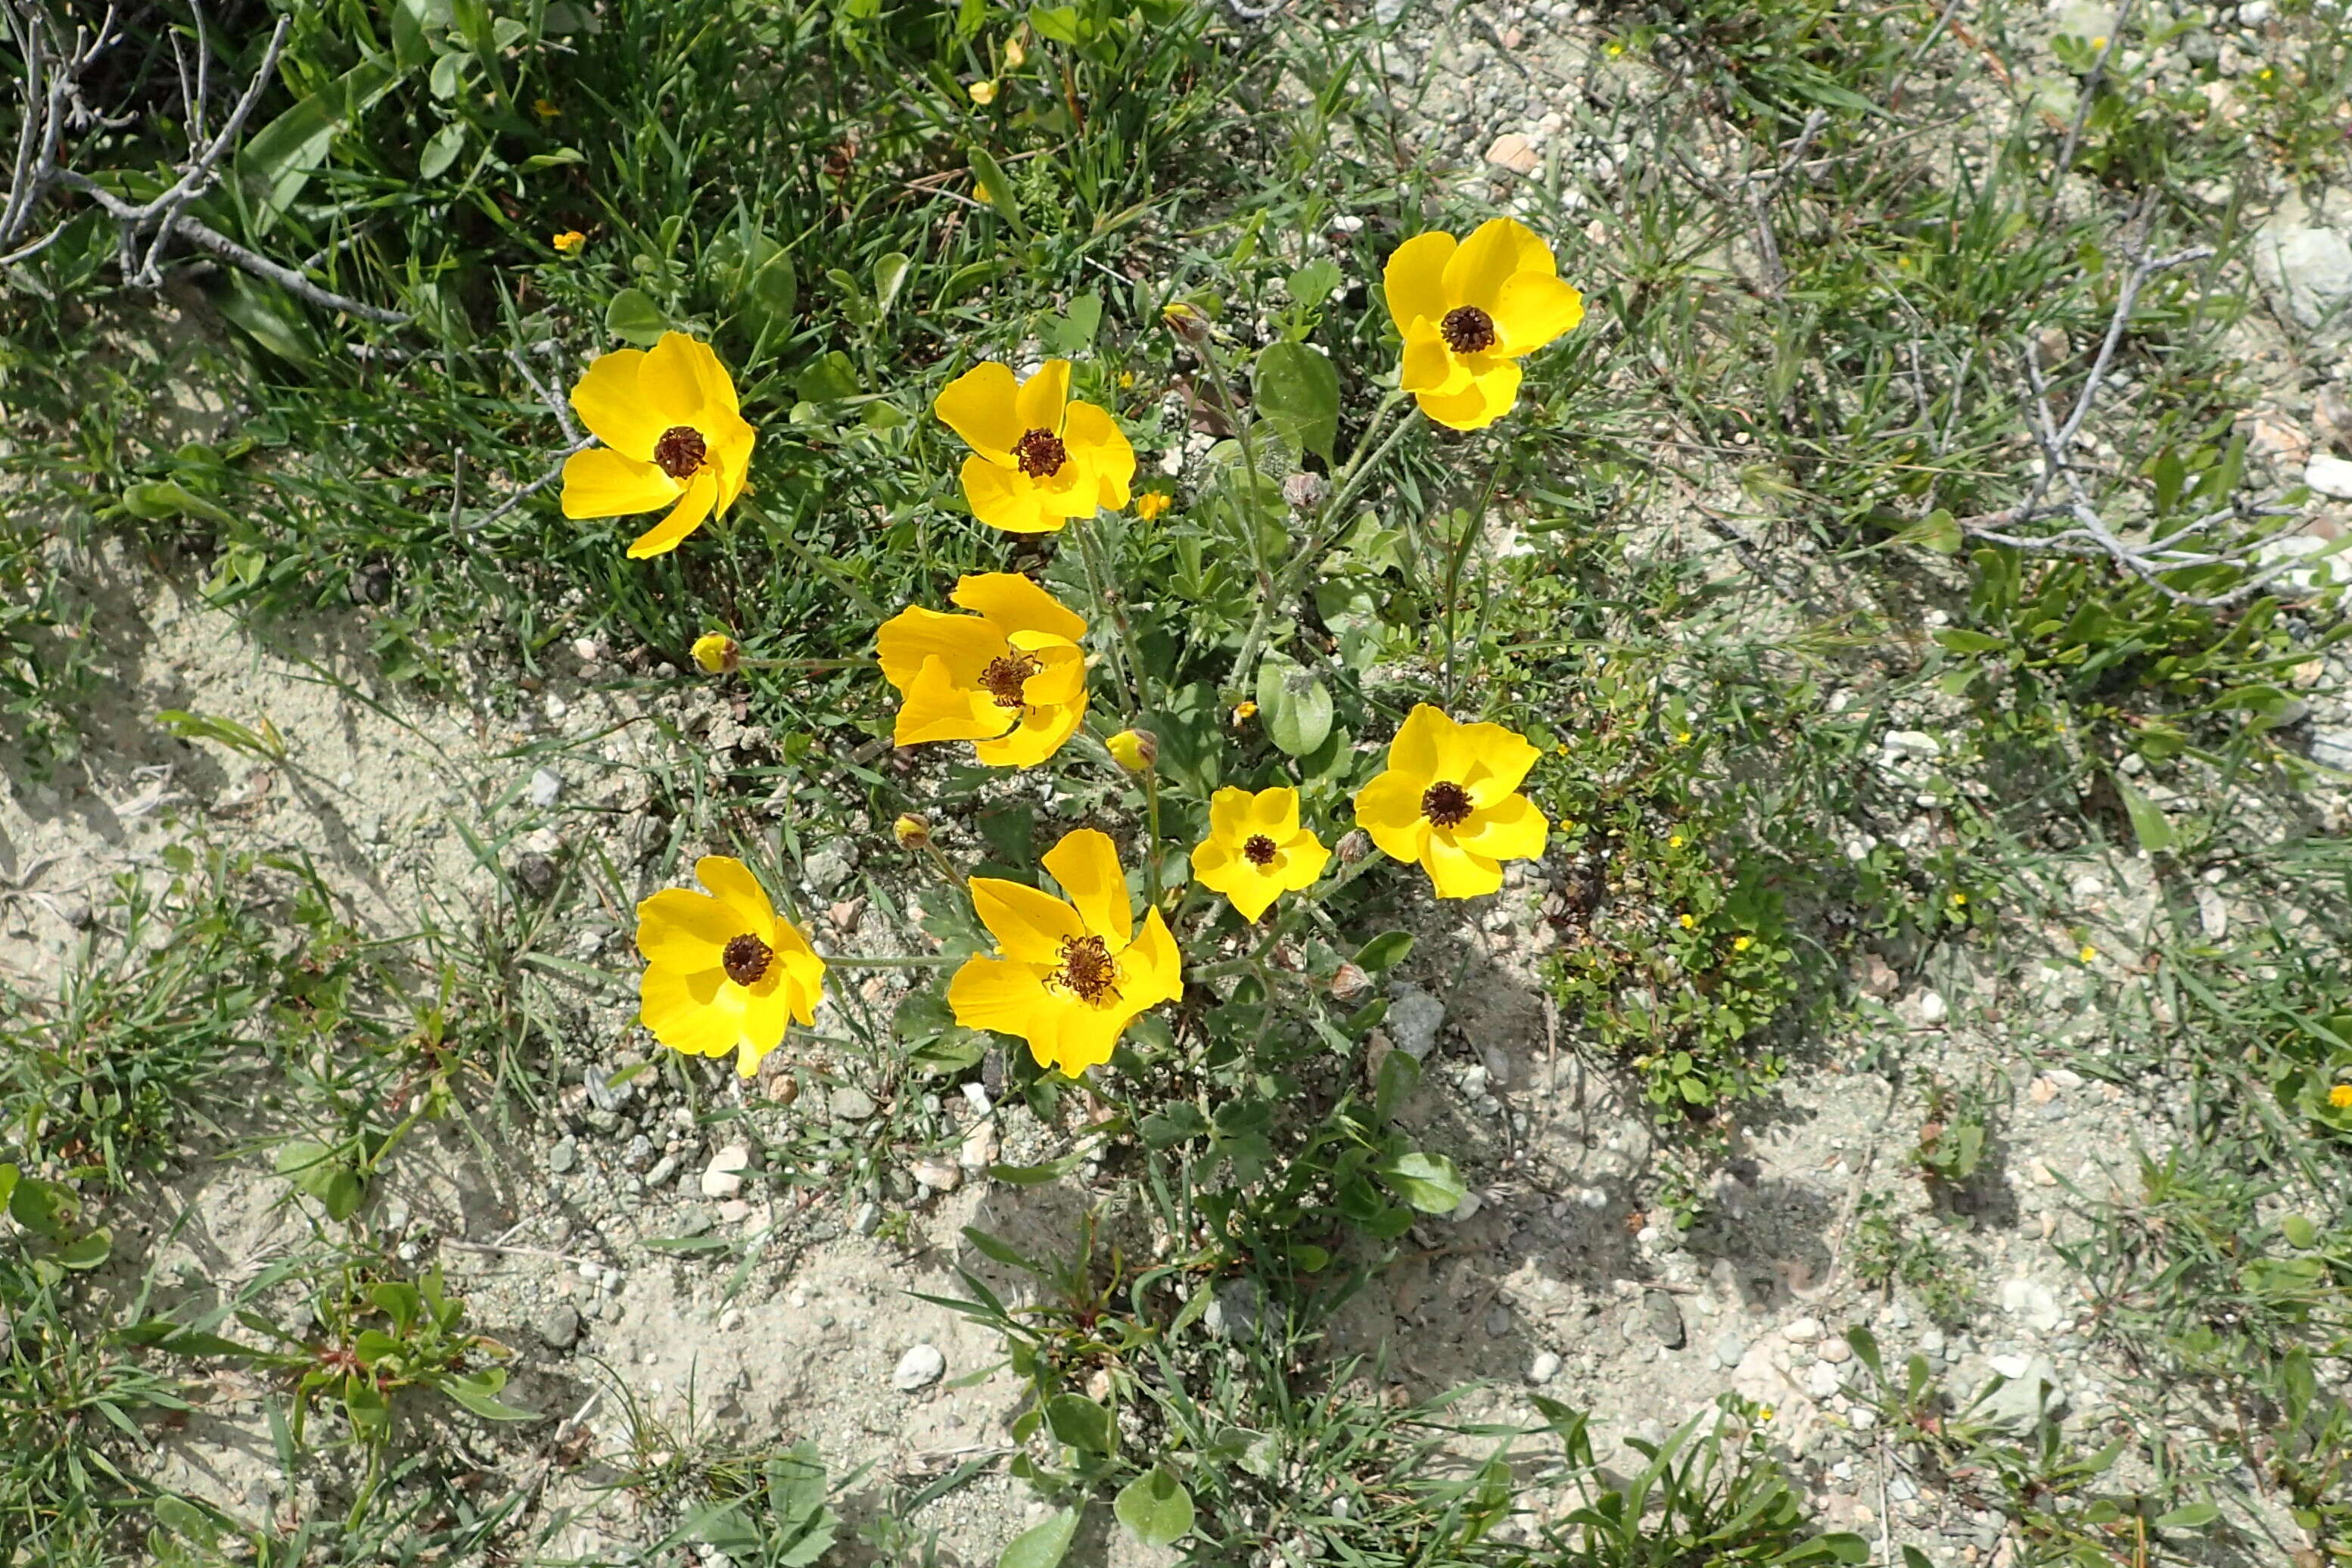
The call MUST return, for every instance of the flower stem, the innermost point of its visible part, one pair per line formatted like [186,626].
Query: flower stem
[1457,554]
[1098,580]
[1151,846]
[941,864]
[1249,465]
[809,665]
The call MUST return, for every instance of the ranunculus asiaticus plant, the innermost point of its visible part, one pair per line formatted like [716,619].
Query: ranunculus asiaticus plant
[724,973]
[1012,677]
[1256,851]
[1069,975]
[673,437]
[1450,801]
[1469,310]
[1038,459]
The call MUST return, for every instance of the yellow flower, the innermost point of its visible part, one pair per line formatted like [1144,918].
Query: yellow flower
[1674,841]
[672,434]
[718,654]
[979,192]
[1126,379]
[1764,1413]
[1244,712]
[1134,750]
[725,973]
[911,831]
[1038,460]
[1682,737]
[1742,943]
[1256,850]
[1015,53]
[1688,923]
[1070,976]
[544,109]
[2340,1096]
[569,243]
[1011,678]
[982,92]
[1468,310]
[1448,800]
[1959,901]
[1151,503]
[2088,952]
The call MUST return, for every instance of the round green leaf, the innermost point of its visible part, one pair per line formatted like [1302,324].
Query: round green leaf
[1155,1508]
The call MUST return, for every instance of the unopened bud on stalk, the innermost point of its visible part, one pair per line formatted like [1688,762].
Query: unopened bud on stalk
[1303,491]
[1349,984]
[1354,846]
[1186,323]
[912,831]
[1134,750]
[717,654]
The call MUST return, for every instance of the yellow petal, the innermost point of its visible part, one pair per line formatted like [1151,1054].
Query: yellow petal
[603,482]
[1229,815]
[1029,924]
[1487,398]
[1008,997]
[1042,398]
[1429,366]
[669,381]
[1420,745]
[1414,280]
[765,1015]
[1456,872]
[979,407]
[1389,808]
[1511,829]
[1041,732]
[717,387]
[1061,677]
[608,403]
[1151,970]
[1533,309]
[1300,862]
[1005,497]
[938,707]
[1094,439]
[1014,604]
[1275,812]
[678,928]
[1493,761]
[741,891]
[804,978]
[1496,251]
[965,643]
[730,455]
[1086,863]
[696,1012]
[692,509]
[1250,888]
[1085,1037]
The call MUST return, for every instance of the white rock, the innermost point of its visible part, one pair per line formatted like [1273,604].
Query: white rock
[1801,1330]
[2031,1302]
[978,1149]
[1912,743]
[1836,1352]
[2011,1365]
[545,786]
[939,1175]
[720,1184]
[1414,1017]
[1930,1007]
[1513,151]
[1469,1206]
[1822,1380]
[918,1368]
[2303,261]
[2212,914]
[2330,476]
[1547,1367]
[2064,1078]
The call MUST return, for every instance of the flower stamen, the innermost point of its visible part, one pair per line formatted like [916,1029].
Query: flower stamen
[1005,678]
[747,959]
[1088,971]
[1467,329]
[1446,805]
[1259,850]
[681,451]
[1041,453]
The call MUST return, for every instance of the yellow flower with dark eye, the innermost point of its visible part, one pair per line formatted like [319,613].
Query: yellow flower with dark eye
[1448,800]
[1469,310]
[718,654]
[673,437]
[1068,978]
[1256,851]
[724,973]
[569,242]
[1037,459]
[1012,677]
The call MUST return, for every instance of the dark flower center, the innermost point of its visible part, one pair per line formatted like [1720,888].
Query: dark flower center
[1468,328]
[1446,805]
[747,959]
[1042,454]
[1259,850]
[1005,677]
[680,450]
[1088,971]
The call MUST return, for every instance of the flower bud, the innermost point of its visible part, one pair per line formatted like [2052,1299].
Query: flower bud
[912,831]
[1016,53]
[1303,491]
[718,654]
[1354,846]
[1349,984]
[1244,712]
[1186,322]
[1134,750]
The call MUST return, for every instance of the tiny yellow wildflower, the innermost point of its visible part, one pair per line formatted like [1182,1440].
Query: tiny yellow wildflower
[1016,53]
[543,108]
[1134,750]
[1959,901]
[1682,738]
[1764,1413]
[2088,952]
[569,243]
[980,193]
[1612,48]
[2100,42]
[718,654]
[1149,504]
[1244,712]
[912,832]
[1674,842]
[982,93]
[1688,923]
[2340,1096]
[1742,943]
[1126,379]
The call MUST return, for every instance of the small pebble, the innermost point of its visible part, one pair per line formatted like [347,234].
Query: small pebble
[1729,1348]
[545,786]
[1546,1367]
[918,1368]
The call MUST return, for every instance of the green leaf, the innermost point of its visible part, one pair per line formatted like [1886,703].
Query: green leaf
[1002,1251]
[889,277]
[1428,1182]
[1294,706]
[1938,531]
[2195,1516]
[1155,1508]
[371,1418]
[277,160]
[1075,330]
[45,1208]
[2299,1231]
[829,379]
[87,1251]
[999,190]
[1297,393]
[1383,952]
[1082,1423]
[1312,284]
[1038,1175]
[1399,1076]
[479,1394]
[2149,826]
[634,318]
[1045,1546]
[1960,640]
[164,499]
[442,150]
